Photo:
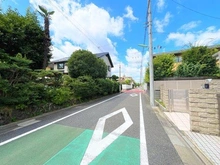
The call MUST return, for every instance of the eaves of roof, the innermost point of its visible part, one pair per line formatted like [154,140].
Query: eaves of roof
[98,55]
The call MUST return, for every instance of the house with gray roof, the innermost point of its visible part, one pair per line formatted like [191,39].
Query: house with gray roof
[61,64]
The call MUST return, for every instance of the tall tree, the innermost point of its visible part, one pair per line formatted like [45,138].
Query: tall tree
[22,34]
[84,63]
[47,40]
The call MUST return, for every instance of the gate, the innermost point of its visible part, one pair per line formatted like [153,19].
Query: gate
[178,100]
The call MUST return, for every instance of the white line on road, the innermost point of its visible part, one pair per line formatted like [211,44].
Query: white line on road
[34,130]
[27,123]
[98,144]
[143,143]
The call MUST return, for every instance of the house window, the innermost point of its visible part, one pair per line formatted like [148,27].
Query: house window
[109,68]
[60,65]
[178,59]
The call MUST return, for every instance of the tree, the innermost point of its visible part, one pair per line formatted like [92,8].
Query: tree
[22,34]
[163,66]
[84,63]
[47,40]
[127,81]
[147,76]
[14,73]
[198,61]
[189,70]
[114,77]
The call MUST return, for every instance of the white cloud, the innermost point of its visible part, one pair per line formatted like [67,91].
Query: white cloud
[83,26]
[133,66]
[190,25]
[181,39]
[129,14]
[207,37]
[160,5]
[161,24]
[133,57]
[64,50]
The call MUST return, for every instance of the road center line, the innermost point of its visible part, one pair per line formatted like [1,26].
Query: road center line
[34,130]
[143,143]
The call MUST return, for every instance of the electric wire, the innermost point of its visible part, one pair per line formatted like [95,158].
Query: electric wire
[76,26]
[144,40]
[214,17]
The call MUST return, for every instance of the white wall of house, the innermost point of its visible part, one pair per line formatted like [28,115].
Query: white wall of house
[105,58]
[125,86]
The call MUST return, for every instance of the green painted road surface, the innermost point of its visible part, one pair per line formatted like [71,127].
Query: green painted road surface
[59,144]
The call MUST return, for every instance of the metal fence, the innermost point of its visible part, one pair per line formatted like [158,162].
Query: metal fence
[178,100]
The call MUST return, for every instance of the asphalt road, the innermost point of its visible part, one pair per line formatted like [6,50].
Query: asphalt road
[122,129]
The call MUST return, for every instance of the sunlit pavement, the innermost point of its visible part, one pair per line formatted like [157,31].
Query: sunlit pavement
[135,90]
[208,144]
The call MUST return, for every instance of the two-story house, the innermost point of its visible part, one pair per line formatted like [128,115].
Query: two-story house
[178,54]
[61,64]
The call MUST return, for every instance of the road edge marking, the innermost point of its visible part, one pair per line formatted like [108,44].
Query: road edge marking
[48,124]
[143,142]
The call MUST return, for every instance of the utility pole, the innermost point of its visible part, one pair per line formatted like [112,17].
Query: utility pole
[119,77]
[141,70]
[150,54]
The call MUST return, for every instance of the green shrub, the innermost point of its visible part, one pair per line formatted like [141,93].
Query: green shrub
[60,96]
[106,86]
[115,87]
[84,87]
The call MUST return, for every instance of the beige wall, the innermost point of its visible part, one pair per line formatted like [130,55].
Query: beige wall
[186,84]
[180,84]
[204,111]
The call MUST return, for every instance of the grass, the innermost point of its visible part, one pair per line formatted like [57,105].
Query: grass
[161,102]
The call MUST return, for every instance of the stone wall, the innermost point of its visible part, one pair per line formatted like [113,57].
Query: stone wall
[204,110]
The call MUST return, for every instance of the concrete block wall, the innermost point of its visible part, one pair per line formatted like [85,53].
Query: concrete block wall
[164,96]
[215,84]
[204,110]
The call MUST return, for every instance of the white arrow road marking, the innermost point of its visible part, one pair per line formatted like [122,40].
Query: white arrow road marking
[97,144]
[133,95]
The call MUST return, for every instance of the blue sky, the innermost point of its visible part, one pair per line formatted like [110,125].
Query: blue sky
[117,27]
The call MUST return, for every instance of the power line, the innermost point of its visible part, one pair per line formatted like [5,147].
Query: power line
[77,27]
[144,42]
[196,11]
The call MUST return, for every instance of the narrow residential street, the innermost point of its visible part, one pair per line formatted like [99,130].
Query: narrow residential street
[121,129]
